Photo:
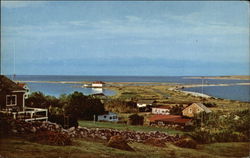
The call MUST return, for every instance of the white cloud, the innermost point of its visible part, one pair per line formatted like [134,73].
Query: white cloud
[20,4]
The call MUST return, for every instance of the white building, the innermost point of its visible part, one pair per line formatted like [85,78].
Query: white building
[110,116]
[162,110]
[145,103]
[98,84]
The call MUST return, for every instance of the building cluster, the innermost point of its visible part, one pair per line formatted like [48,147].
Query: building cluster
[13,95]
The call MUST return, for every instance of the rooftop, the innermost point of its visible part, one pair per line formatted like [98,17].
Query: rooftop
[8,85]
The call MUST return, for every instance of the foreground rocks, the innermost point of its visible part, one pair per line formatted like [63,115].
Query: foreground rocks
[119,142]
[18,127]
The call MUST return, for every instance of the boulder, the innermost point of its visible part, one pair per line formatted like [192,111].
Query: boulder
[155,142]
[119,142]
[186,143]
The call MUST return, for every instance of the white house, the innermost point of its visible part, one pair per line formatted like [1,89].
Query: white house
[163,110]
[98,84]
[110,116]
[145,103]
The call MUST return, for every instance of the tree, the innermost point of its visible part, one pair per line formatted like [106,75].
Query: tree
[177,110]
[38,100]
[83,107]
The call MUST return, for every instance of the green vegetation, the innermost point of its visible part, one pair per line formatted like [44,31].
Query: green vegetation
[81,148]
[120,106]
[126,127]
[75,104]
[219,127]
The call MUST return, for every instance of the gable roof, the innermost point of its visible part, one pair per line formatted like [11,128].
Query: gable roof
[145,101]
[7,85]
[207,110]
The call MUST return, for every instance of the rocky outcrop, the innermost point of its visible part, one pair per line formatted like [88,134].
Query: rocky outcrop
[119,142]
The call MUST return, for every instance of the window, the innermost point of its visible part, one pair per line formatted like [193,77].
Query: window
[110,118]
[104,116]
[11,100]
[190,110]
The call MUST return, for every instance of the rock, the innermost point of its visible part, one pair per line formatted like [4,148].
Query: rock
[14,131]
[186,143]
[33,130]
[71,129]
[119,142]
[155,142]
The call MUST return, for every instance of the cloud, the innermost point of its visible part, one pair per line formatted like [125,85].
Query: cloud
[20,4]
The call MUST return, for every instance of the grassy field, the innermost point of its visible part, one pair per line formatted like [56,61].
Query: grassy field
[126,127]
[163,95]
[20,148]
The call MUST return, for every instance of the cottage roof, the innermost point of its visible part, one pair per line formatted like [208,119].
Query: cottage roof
[21,84]
[98,82]
[162,107]
[207,110]
[8,85]
[145,101]
[169,118]
[162,117]
[107,113]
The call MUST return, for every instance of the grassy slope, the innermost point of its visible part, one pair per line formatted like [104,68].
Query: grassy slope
[19,148]
[126,127]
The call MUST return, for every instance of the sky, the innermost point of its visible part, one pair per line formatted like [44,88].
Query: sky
[128,38]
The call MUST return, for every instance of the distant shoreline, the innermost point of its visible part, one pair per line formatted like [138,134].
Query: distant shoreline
[221,77]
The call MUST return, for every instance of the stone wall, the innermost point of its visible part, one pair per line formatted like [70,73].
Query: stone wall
[18,127]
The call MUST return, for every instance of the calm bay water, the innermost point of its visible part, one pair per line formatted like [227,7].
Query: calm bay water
[241,93]
[55,89]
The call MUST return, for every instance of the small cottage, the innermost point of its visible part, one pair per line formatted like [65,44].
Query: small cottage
[109,116]
[145,103]
[164,110]
[11,95]
[194,109]
[12,102]
[98,84]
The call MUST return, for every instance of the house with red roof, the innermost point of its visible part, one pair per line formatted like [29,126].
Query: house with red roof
[170,120]
[98,84]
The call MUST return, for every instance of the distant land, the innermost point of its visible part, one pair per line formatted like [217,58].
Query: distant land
[236,77]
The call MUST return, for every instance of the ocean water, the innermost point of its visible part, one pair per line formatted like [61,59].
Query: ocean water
[56,89]
[241,93]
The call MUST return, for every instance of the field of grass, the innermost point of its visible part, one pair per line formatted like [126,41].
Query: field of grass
[159,93]
[126,127]
[81,148]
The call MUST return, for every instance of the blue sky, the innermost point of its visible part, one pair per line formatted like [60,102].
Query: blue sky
[125,38]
